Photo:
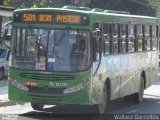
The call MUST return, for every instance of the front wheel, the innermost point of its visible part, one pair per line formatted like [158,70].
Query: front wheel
[102,107]
[38,107]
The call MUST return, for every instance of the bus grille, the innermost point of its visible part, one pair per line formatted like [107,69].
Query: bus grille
[46,90]
[46,98]
[47,77]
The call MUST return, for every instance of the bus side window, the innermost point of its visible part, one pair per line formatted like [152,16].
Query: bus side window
[131,37]
[115,38]
[139,36]
[106,37]
[154,37]
[147,39]
[123,38]
[157,36]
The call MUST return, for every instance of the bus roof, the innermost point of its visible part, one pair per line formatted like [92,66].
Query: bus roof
[87,11]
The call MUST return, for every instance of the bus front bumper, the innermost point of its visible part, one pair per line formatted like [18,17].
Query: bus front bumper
[82,96]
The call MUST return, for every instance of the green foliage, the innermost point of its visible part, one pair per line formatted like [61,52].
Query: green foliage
[18,3]
[1,2]
[139,7]
[41,3]
[6,3]
[155,4]
[28,3]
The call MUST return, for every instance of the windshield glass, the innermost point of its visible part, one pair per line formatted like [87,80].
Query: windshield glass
[3,53]
[50,50]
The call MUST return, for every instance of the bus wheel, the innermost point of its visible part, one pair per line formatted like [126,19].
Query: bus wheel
[102,107]
[138,97]
[1,73]
[37,106]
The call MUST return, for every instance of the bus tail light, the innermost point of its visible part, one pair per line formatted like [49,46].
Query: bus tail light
[77,87]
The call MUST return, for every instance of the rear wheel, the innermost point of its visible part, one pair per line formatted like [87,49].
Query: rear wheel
[138,97]
[37,106]
[1,73]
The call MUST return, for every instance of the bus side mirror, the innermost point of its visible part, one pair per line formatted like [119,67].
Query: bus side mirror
[7,31]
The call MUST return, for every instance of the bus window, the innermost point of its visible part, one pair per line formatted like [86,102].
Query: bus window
[131,37]
[106,36]
[139,36]
[115,38]
[123,37]
[154,39]
[147,40]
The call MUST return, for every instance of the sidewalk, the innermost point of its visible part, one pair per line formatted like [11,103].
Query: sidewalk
[4,95]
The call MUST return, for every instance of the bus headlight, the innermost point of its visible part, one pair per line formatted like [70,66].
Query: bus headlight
[77,87]
[18,85]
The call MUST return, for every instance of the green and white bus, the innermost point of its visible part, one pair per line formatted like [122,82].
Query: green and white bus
[75,55]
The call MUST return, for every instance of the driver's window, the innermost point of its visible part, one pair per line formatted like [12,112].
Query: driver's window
[97,33]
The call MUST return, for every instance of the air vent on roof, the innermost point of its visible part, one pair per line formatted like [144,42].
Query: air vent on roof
[76,8]
[97,10]
[116,12]
[69,7]
[83,8]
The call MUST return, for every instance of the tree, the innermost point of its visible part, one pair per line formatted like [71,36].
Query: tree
[35,3]
[139,7]
[42,3]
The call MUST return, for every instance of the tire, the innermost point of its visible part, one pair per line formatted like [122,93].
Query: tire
[38,107]
[1,73]
[138,97]
[102,107]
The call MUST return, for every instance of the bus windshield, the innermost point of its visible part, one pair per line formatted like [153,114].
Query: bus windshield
[50,50]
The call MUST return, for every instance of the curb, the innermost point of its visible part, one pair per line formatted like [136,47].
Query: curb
[7,103]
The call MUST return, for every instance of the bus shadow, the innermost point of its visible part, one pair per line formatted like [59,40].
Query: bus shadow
[148,106]
[72,112]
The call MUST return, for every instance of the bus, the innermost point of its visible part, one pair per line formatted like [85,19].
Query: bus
[81,56]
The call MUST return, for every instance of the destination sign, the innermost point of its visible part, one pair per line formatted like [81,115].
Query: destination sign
[52,18]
